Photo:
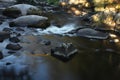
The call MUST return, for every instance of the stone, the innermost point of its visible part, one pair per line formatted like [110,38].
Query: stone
[7,30]
[64,51]
[46,42]
[18,10]
[11,52]
[1,55]
[4,35]
[12,12]
[30,21]
[13,46]
[14,39]
[91,33]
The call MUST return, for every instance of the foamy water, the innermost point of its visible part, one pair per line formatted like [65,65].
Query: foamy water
[57,30]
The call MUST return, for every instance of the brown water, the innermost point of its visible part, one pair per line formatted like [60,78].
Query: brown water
[96,60]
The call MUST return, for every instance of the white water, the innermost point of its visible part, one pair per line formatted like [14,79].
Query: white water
[57,30]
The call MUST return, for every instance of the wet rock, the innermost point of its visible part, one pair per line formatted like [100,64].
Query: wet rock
[1,55]
[14,39]
[46,42]
[11,52]
[4,35]
[2,19]
[13,47]
[8,0]
[7,30]
[18,10]
[91,33]
[12,12]
[64,51]
[31,21]
[19,29]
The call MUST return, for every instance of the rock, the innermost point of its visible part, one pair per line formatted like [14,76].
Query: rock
[64,52]
[1,55]
[117,18]
[46,42]
[2,19]
[13,47]
[91,33]
[117,21]
[14,39]
[31,21]
[7,30]
[19,29]
[8,0]
[4,35]
[18,10]
[11,52]
[103,21]
[12,12]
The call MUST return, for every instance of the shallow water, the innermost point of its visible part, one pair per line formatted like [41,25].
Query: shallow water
[96,59]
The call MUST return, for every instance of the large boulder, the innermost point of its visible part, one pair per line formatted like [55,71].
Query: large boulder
[31,21]
[91,33]
[18,10]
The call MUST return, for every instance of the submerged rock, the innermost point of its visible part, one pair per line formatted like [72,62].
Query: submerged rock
[31,21]
[18,10]
[13,47]
[91,33]
[14,39]
[4,35]
[1,55]
[64,52]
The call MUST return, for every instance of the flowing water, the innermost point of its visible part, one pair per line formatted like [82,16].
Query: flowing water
[96,59]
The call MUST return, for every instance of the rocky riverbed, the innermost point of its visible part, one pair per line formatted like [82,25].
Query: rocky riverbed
[47,43]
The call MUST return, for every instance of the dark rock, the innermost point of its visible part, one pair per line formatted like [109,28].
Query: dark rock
[46,42]
[30,21]
[91,33]
[14,39]
[11,52]
[8,63]
[19,29]
[2,19]
[15,34]
[1,55]
[4,35]
[7,30]
[12,12]
[64,52]
[13,47]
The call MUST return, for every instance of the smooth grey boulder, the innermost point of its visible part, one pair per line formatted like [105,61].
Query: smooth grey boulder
[18,10]
[31,21]
[91,33]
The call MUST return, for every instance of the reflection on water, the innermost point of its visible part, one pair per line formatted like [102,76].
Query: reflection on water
[95,61]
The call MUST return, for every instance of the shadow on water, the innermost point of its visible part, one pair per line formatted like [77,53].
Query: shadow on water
[93,62]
